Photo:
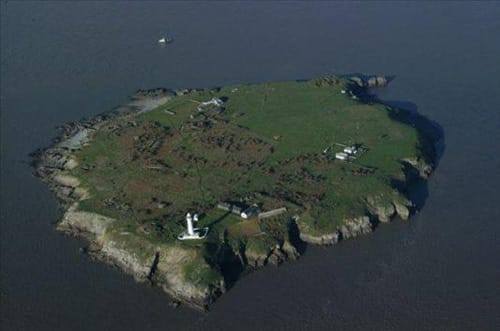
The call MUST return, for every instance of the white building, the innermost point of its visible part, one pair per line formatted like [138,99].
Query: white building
[192,232]
[214,101]
[245,214]
[341,156]
[351,150]
[249,212]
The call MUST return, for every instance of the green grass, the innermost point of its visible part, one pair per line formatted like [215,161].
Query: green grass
[199,273]
[268,126]
[260,245]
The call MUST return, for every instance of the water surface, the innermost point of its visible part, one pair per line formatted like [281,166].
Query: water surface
[64,61]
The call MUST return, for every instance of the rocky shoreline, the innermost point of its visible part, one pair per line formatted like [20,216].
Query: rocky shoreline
[158,265]
[50,166]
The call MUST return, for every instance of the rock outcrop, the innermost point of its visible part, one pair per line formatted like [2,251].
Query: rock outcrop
[137,262]
[369,82]
[290,251]
[273,255]
[376,81]
[350,228]
[324,239]
[383,211]
[85,223]
[423,168]
[169,274]
[402,210]
[356,226]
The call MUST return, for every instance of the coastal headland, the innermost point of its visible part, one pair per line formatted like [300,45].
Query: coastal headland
[265,167]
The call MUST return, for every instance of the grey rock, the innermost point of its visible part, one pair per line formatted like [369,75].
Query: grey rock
[355,227]
[402,211]
[325,239]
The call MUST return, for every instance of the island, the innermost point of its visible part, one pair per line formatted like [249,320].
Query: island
[191,189]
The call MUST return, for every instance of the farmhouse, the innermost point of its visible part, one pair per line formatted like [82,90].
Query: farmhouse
[244,212]
[351,150]
[349,153]
[249,212]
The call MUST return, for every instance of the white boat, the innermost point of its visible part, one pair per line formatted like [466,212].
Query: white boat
[164,40]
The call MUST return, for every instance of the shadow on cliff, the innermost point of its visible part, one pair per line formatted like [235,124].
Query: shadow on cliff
[432,136]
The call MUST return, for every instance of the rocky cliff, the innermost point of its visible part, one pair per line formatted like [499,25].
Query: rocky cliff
[162,265]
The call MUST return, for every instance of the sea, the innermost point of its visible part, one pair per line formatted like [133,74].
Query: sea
[64,61]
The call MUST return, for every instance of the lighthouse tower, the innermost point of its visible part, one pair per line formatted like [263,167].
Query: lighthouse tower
[192,232]
[189,221]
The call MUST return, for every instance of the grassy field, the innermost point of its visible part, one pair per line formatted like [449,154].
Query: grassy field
[265,147]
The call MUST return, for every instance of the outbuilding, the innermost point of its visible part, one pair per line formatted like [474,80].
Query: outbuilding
[351,150]
[214,101]
[236,210]
[224,206]
[341,156]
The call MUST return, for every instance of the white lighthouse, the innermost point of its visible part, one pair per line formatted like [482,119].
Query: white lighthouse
[192,232]
[189,221]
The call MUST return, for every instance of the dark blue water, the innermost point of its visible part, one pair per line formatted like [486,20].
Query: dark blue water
[63,61]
